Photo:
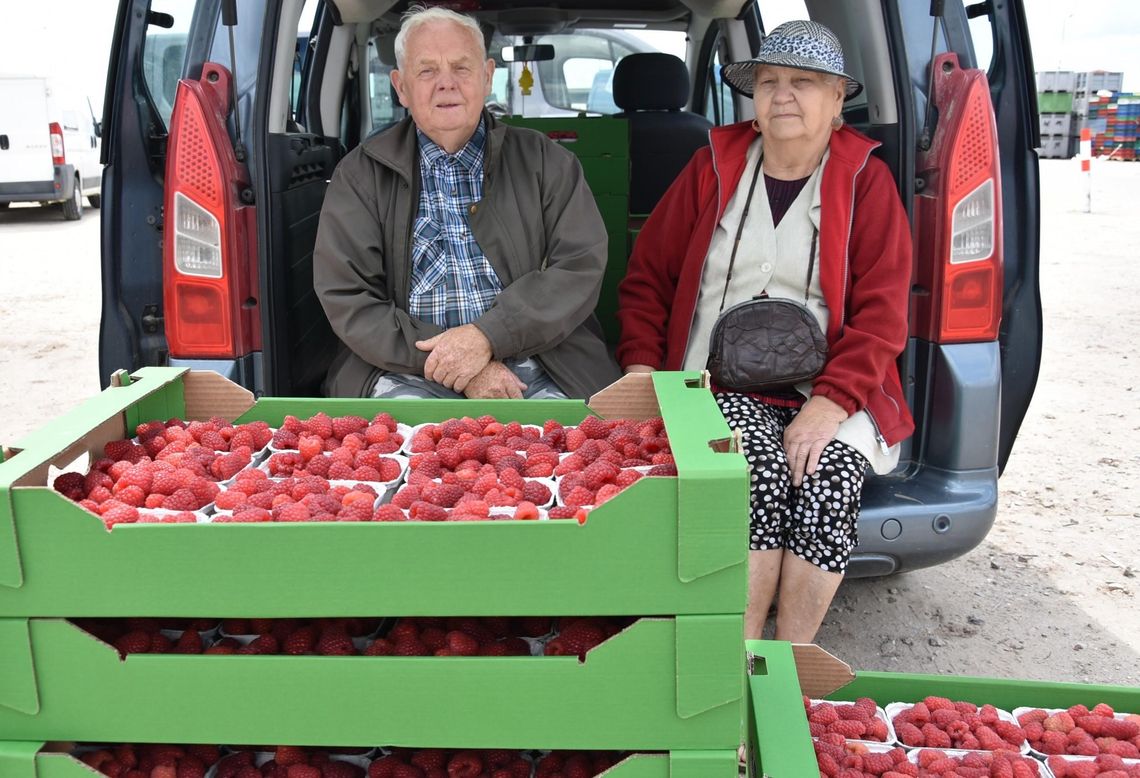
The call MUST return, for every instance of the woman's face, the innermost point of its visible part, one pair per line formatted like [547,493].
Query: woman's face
[796,105]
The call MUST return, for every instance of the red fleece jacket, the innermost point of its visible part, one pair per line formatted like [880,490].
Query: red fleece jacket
[864,259]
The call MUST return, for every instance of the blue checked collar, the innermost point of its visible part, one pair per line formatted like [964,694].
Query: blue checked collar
[470,157]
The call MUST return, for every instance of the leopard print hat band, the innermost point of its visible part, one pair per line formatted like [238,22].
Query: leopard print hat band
[803,44]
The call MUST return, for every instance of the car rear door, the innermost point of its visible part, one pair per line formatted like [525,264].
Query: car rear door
[25,149]
[998,34]
[156,43]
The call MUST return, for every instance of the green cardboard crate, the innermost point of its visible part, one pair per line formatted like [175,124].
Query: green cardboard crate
[781,674]
[660,684]
[586,136]
[40,760]
[665,546]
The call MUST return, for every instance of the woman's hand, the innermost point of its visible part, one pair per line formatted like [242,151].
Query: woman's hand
[639,369]
[809,433]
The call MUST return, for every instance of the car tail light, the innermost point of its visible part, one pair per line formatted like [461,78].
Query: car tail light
[209,267]
[58,154]
[958,240]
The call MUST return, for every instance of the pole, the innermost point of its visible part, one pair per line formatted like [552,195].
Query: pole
[1086,166]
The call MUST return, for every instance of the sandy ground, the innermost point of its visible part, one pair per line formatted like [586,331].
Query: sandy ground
[1053,593]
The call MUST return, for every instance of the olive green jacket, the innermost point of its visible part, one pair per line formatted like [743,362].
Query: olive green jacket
[537,223]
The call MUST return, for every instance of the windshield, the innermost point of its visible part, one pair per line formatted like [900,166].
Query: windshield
[580,76]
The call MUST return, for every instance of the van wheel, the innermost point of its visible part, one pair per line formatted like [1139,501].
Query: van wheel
[73,208]
[94,200]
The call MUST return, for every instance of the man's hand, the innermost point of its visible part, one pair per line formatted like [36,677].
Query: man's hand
[495,381]
[809,433]
[639,369]
[457,355]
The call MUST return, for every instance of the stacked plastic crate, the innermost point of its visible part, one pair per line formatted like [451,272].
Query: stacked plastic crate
[1059,128]
[667,691]
[1068,102]
[1114,123]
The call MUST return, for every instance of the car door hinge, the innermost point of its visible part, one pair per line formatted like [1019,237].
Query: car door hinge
[151,319]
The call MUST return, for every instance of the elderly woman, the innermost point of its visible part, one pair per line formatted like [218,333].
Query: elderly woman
[828,212]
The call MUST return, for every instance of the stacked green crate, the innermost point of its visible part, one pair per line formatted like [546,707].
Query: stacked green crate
[1054,102]
[778,722]
[601,144]
[670,550]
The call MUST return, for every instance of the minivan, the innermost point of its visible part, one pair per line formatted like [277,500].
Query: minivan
[49,146]
[251,148]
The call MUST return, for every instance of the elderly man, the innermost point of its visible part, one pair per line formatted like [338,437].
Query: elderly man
[457,256]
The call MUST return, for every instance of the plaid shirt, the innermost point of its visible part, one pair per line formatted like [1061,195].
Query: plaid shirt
[452,282]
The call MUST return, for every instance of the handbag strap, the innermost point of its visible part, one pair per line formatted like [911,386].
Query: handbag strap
[740,232]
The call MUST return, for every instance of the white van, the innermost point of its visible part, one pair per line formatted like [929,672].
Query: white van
[49,147]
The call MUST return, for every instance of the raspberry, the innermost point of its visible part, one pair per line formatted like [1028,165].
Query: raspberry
[877,764]
[938,703]
[343,426]
[134,642]
[849,728]
[536,492]
[292,512]
[594,428]
[1120,729]
[181,500]
[562,512]
[334,641]
[627,478]
[406,496]
[124,450]
[825,713]
[579,496]
[139,475]
[606,492]
[71,485]
[426,511]
[526,511]
[355,511]
[443,495]
[389,512]
[1010,732]
[260,645]
[909,734]
[131,495]
[301,641]
[228,465]
[310,446]
[877,730]
[663,470]
[366,474]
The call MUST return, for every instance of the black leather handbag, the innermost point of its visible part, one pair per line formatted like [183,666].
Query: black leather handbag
[765,344]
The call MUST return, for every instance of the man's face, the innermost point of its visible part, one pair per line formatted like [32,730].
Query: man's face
[444,82]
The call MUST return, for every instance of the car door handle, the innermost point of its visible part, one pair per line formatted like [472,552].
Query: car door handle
[3,142]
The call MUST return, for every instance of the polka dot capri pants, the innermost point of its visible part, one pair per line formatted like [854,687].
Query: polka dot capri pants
[817,521]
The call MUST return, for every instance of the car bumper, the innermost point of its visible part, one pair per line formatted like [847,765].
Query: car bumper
[59,189]
[923,521]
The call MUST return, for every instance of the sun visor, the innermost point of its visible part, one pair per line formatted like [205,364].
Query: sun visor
[357,11]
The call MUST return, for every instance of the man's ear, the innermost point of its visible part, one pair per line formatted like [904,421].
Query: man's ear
[397,84]
[489,73]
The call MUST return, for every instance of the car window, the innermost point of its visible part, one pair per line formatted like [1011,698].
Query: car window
[580,77]
[775,12]
[382,102]
[164,54]
[719,107]
[982,38]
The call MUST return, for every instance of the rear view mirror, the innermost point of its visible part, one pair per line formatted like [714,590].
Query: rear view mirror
[531,52]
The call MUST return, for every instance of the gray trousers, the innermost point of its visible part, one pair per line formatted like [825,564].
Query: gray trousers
[539,384]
